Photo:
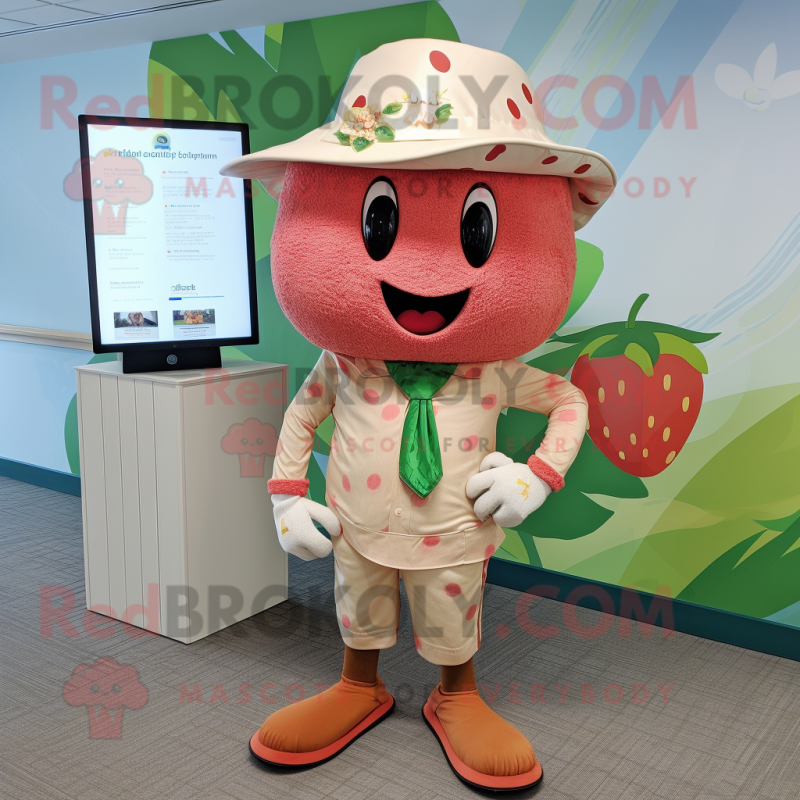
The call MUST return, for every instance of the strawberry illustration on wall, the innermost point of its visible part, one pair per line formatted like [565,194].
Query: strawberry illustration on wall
[644,384]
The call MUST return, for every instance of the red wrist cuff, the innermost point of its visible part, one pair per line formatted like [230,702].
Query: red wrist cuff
[541,469]
[298,486]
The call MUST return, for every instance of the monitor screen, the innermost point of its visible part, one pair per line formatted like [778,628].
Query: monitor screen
[169,240]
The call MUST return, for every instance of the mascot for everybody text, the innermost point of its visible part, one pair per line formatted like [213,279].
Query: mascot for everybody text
[424,240]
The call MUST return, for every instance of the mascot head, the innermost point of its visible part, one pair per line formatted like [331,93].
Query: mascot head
[433,220]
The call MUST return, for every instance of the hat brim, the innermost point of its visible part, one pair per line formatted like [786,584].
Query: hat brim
[589,189]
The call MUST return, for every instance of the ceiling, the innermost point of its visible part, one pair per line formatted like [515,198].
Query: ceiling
[37,28]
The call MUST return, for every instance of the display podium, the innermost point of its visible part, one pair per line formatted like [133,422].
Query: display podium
[178,532]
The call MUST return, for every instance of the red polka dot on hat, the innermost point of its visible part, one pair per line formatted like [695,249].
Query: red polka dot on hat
[513,108]
[495,151]
[585,199]
[439,61]
[359,102]
[550,160]
[527,92]
[582,168]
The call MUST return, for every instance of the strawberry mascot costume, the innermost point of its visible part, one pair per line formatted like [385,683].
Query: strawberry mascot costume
[424,240]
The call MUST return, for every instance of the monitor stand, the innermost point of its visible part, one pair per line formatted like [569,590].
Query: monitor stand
[172,359]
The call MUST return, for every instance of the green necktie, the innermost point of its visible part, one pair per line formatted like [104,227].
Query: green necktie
[420,457]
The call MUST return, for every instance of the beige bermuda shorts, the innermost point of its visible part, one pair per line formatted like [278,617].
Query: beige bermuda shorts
[445,605]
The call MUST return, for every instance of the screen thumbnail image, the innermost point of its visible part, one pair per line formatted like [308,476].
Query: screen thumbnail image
[135,325]
[204,316]
[198,323]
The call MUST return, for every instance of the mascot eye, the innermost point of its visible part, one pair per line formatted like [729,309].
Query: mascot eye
[478,224]
[379,217]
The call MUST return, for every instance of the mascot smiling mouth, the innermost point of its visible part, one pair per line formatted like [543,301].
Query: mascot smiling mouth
[422,315]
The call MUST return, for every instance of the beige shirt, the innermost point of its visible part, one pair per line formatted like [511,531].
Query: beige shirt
[382,518]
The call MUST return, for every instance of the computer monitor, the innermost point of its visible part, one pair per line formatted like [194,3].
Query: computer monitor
[169,241]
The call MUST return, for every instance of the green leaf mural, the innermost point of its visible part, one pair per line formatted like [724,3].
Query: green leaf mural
[588,270]
[759,584]
[748,485]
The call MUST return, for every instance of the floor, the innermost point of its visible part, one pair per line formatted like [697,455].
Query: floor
[707,720]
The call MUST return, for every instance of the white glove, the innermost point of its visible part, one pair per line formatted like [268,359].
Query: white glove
[508,491]
[296,531]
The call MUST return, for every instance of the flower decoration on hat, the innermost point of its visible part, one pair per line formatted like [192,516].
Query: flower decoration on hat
[363,125]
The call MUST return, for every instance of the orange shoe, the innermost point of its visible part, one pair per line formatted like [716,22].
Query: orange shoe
[482,749]
[319,728]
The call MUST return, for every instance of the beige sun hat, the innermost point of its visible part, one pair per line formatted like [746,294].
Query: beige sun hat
[436,104]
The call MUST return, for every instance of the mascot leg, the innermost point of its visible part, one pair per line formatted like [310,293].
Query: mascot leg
[482,748]
[318,728]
